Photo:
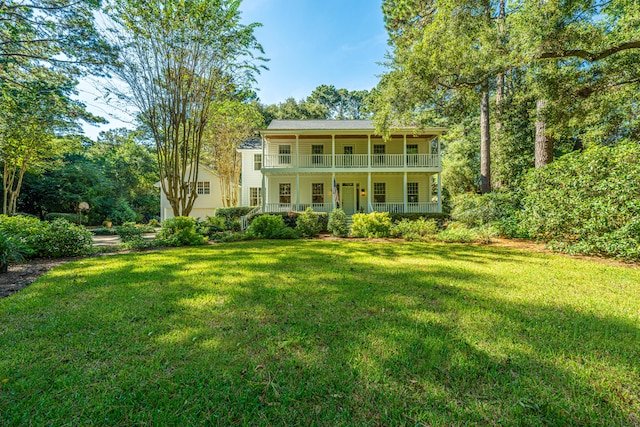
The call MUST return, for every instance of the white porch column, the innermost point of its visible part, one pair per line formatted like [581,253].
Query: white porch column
[297,191]
[439,193]
[264,194]
[264,191]
[369,190]
[333,190]
[333,152]
[404,194]
[297,152]
[404,157]
[438,145]
[369,155]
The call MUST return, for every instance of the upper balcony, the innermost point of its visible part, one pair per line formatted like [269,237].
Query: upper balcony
[351,161]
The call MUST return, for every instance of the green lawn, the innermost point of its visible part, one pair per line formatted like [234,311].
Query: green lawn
[324,333]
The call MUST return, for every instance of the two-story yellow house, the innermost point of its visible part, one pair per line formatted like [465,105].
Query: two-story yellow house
[331,163]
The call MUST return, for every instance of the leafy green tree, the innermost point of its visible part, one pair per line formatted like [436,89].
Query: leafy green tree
[232,122]
[178,59]
[341,104]
[37,121]
[59,34]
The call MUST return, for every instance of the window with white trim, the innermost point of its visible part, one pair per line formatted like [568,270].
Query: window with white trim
[285,154]
[255,196]
[257,162]
[412,192]
[317,193]
[204,187]
[379,151]
[285,193]
[379,192]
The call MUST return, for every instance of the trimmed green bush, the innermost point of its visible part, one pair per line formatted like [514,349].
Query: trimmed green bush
[70,217]
[122,213]
[129,232]
[61,238]
[44,239]
[417,230]
[104,231]
[291,218]
[372,225]
[307,224]
[154,222]
[232,216]
[180,231]
[587,202]
[440,218]
[271,227]
[337,224]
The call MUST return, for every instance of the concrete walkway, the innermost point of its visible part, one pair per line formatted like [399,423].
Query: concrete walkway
[114,240]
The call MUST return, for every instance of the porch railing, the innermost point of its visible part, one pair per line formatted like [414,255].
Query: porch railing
[244,222]
[425,207]
[292,207]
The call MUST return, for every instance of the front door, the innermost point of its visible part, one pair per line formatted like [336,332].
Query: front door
[348,196]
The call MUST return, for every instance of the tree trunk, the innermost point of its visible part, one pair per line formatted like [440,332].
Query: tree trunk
[544,143]
[485,140]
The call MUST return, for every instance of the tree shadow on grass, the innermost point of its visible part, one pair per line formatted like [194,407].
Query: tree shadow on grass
[308,334]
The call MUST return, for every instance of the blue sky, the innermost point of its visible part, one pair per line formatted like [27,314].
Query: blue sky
[308,42]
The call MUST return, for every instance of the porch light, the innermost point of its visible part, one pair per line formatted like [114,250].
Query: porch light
[363,193]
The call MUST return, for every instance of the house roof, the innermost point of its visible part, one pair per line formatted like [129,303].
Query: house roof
[350,127]
[322,125]
[251,144]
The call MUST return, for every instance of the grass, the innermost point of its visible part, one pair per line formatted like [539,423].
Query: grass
[324,333]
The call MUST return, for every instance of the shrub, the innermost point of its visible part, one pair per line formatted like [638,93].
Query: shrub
[231,216]
[47,239]
[211,225]
[122,213]
[180,231]
[291,218]
[270,227]
[28,230]
[475,210]
[104,231]
[373,225]
[337,224]
[12,249]
[457,233]
[227,237]
[129,232]
[70,217]
[417,230]
[307,224]
[60,238]
[587,202]
[154,222]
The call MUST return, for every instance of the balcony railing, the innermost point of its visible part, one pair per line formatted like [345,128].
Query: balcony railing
[350,161]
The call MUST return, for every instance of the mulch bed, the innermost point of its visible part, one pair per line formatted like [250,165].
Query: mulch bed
[22,275]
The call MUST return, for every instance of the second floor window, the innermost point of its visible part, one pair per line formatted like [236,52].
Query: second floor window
[379,151]
[257,162]
[284,152]
[317,152]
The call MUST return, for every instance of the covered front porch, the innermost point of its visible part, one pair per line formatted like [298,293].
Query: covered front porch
[356,192]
